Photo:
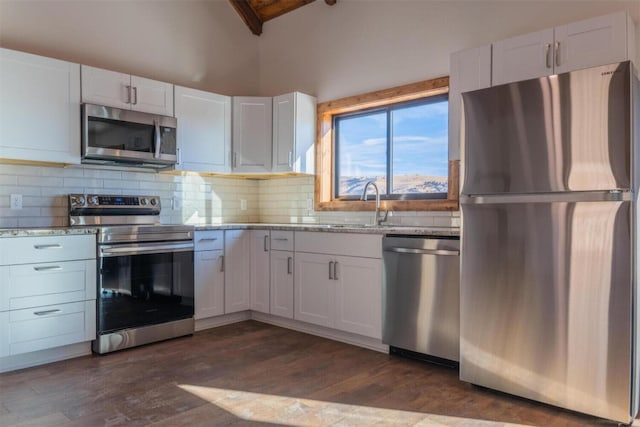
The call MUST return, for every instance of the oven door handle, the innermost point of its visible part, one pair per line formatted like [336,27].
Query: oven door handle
[124,250]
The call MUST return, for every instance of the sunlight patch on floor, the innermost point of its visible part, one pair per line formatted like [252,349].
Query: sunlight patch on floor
[293,411]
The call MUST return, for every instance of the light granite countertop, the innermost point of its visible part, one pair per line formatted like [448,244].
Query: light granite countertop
[339,228]
[46,231]
[334,228]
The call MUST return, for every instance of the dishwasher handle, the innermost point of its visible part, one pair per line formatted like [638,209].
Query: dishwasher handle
[423,251]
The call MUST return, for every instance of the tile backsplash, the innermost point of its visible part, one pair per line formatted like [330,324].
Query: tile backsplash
[188,198]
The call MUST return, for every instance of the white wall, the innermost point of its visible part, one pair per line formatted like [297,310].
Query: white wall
[193,43]
[358,46]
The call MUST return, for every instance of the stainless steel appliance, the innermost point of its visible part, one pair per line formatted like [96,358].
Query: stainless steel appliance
[114,136]
[145,270]
[421,296]
[549,297]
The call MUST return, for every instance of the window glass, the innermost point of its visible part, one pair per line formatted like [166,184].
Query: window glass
[402,147]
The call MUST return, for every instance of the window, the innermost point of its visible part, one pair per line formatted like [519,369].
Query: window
[397,138]
[402,147]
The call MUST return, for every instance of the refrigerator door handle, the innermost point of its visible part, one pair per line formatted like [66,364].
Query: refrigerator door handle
[579,196]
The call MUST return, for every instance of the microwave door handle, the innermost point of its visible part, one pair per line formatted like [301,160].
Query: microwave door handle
[157,139]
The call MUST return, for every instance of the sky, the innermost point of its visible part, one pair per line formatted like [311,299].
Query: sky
[420,141]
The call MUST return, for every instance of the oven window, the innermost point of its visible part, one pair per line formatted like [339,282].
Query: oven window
[144,289]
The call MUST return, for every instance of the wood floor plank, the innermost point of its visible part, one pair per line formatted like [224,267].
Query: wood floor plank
[251,373]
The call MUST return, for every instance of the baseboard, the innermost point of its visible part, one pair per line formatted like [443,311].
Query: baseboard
[321,331]
[225,319]
[41,357]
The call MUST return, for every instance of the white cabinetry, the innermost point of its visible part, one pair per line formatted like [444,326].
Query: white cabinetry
[597,41]
[259,270]
[282,257]
[209,273]
[469,70]
[204,131]
[294,128]
[252,124]
[47,292]
[237,251]
[39,108]
[113,89]
[338,281]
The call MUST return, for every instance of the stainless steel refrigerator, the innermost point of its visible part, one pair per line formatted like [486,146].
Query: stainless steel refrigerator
[549,253]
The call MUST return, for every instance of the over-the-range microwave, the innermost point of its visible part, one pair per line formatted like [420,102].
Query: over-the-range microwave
[113,136]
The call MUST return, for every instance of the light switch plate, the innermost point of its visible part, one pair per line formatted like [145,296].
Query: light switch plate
[176,203]
[16,201]
[243,205]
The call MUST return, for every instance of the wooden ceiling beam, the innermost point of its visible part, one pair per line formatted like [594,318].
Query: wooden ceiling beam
[248,15]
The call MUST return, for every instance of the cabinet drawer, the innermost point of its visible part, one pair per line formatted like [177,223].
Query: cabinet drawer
[34,285]
[26,250]
[349,244]
[33,329]
[281,240]
[209,240]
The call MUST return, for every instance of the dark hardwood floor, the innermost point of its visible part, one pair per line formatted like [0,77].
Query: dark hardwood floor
[251,373]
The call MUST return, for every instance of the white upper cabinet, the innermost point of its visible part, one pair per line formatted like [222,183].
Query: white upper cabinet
[469,70]
[113,89]
[294,128]
[252,124]
[204,131]
[39,108]
[597,41]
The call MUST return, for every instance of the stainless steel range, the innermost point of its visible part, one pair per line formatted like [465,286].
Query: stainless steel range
[145,270]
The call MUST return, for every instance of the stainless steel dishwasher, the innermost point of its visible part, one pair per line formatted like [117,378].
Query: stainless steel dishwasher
[421,297]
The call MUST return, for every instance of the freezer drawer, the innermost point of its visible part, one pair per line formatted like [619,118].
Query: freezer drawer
[546,302]
[421,285]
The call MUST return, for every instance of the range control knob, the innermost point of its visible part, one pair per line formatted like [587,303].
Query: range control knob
[143,201]
[77,200]
[94,201]
[154,202]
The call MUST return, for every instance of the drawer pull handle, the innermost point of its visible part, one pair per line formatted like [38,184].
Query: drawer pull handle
[281,239]
[209,239]
[53,246]
[45,312]
[48,268]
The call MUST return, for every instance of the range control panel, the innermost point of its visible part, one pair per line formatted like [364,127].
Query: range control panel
[106,201]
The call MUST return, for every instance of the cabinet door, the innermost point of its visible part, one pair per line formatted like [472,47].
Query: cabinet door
[252,134]
[39,108]
[469,70]
[358,293]
[237,247]
[313,290]
[523,57]
[152,96]
[294,129]
[104,87]
[282,283]
[592,42]
[204,133]
[209,284]
[260,270]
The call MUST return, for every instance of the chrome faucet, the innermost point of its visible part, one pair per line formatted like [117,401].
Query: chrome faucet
[378,218]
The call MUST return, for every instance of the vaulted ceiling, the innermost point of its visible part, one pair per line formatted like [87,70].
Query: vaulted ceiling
[256,12]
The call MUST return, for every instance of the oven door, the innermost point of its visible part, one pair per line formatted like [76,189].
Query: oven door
[144,284]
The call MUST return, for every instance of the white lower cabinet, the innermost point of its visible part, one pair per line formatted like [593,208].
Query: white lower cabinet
[282,283]
[209,274]
[237,273]
[339,291]
[47,292]
[259,270]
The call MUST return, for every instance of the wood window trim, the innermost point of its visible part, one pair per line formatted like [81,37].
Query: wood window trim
[324,182]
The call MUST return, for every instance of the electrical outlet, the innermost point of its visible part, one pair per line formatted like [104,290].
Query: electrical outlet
[176,203]
[16,201]
[243,205]
[309,204]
